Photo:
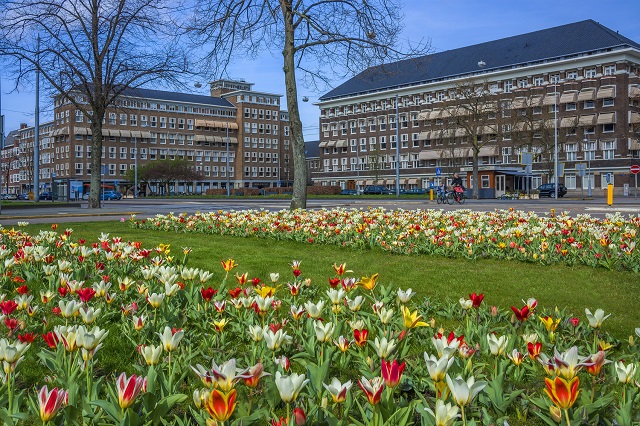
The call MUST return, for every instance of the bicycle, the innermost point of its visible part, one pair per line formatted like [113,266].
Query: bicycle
[459,195]
[443,197]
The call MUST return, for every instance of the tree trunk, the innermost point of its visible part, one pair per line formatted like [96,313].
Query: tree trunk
[96,159]
[299,197]
[475,193]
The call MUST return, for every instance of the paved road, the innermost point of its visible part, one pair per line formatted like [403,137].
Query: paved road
[115,210]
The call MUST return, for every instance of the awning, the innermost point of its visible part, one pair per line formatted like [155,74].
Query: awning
[233,140]
[125,133]
[110,132]
[323,144]
[428,155]
[460,132]
[634,145]
[487,151]
[342,143]
[587,120]
[424,135]
[550,99]
[519,103]
[331,144]
[200,138]
[568,122]
[81,130]
[436,113]
[568,97]
[518,127]
[634,91]
[233,126]
[201,123]
[368,182]
[606,92]
[635,118]
[146,135]
[61,131]
[390,181]
[536,100]
[489,130]
[136,134]
[513,172]
[217,138]
[587,95]
[424,115]
[412,181]
[607,118]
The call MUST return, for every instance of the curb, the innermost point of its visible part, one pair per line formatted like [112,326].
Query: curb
[45,216]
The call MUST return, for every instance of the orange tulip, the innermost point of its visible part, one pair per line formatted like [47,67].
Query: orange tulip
[563,393]
[220,405]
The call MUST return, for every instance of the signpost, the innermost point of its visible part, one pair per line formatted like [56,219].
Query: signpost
[581,169]
[635,169]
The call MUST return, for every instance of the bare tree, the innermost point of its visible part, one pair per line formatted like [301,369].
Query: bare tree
[90,52]
[323,39]
[474,117]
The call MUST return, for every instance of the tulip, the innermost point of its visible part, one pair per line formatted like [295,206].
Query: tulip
[69,309]
[89,315]
[385,315]
[412,319]
[138,322]
[463,391]
[626,373]
[445,414]
[224,376]
[294,288]
[392,372]
[438,367]
[169,339]
[596,319]
[290,386]
[151,354]
[129,388]
[338,390]
[299,417]
[256,332]
[340,269]
[569,362]
[314,309]
[405,296]
[155,299]
[360,337]
[384,347]
[220,405]
[516,357]
[372,389]
[283,362]
[466,304]
[336,296]
[597,361]
[50,339]
[476,299]
[342,343]
[200,397]
[522,314]
[265,291]
[254,374]
[220,324]
[50,402]
[549,323]
[228,265]
[563,393]
[355,304]
[369,283]
[534,349]
[445,347]
[85,294]
[497,345]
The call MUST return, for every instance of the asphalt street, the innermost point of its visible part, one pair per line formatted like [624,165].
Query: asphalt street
[54,212]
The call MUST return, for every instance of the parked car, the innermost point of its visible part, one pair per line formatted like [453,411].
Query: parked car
[348,192]
[46,196]
[548,190]
[23,196]
[110,195]
[415,191]
[9,196]
[377,190]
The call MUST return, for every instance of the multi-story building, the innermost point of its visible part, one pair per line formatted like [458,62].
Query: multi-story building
[150,125]
[576,87]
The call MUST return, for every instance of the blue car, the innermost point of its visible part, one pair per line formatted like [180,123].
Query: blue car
[110,195]
[46,196]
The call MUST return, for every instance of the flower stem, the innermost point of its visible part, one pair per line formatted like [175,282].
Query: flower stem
[464,418]
[566,415]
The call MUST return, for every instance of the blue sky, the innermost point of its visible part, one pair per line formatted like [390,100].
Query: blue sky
[448,24]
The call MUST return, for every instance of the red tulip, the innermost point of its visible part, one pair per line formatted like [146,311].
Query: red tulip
[534,349]
[23,289]
[360,336]
[207,293]
[11,323]
[51,402]
[299,416]
[333,282]
[63,291]
[234,293]
[574,321]
[392,372]
[51,339]
[8,306]
[86,294]
[129,389]
[521,314]
[220,405]
[27,337]
[476,299]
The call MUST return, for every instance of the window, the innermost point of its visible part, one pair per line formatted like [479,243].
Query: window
[522,82]
[79,116]
[508,86]
[572,75]
[555,78]
[112,118]
[538,81]
[163,122]
[608,128]
[589,104]
[484,181]
[607,102]
[123,153]
[537,110]
[572,150]
[506,155]
[133,119]
[590,73]
[143,121]
[172,123]
[154,121]
[609,70]
[571,106]
[112,152]
[570,180]
[123,119]
[589,149]
[506,108]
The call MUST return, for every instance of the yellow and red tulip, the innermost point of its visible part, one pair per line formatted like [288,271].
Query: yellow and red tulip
[50,402]
[221,405]
[372,389]
[563,393]
[228,265]
[392,372]
[129,389]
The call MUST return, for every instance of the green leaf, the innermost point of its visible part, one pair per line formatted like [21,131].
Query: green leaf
[108,408]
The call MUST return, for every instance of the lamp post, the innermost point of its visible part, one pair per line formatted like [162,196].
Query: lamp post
[135,167]
[1,141]
[228,172]
[555,139]
[36,137]
[586,146]
[397,148]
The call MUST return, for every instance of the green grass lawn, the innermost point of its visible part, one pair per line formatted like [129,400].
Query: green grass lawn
[504,283]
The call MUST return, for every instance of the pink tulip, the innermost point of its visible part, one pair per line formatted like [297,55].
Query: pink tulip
[51,402]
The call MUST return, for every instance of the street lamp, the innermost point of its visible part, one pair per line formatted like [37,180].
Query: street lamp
[228,172]
[588,155]
[555,138]
[397,148]
[135,167]
[1,141]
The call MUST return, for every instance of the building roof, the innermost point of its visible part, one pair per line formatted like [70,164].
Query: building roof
[312,149]
[556,43]
[190,98]
[10,138]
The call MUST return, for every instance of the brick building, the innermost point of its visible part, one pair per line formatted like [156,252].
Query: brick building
[507,97]
[236,135]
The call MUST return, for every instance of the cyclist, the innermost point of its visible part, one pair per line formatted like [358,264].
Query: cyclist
[458,187]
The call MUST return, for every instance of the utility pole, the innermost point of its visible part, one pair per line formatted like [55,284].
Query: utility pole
[36,137]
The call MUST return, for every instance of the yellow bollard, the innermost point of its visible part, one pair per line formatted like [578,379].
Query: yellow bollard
[609,194]
[431,194]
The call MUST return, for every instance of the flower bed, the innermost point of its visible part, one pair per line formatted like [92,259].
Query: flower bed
[110,332]
[502,234]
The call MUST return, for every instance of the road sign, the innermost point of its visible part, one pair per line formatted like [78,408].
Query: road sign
[635,169]
[438,171]
[526,158]
[581,166]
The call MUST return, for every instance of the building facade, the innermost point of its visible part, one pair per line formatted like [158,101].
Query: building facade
[236,137]
[574,87]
